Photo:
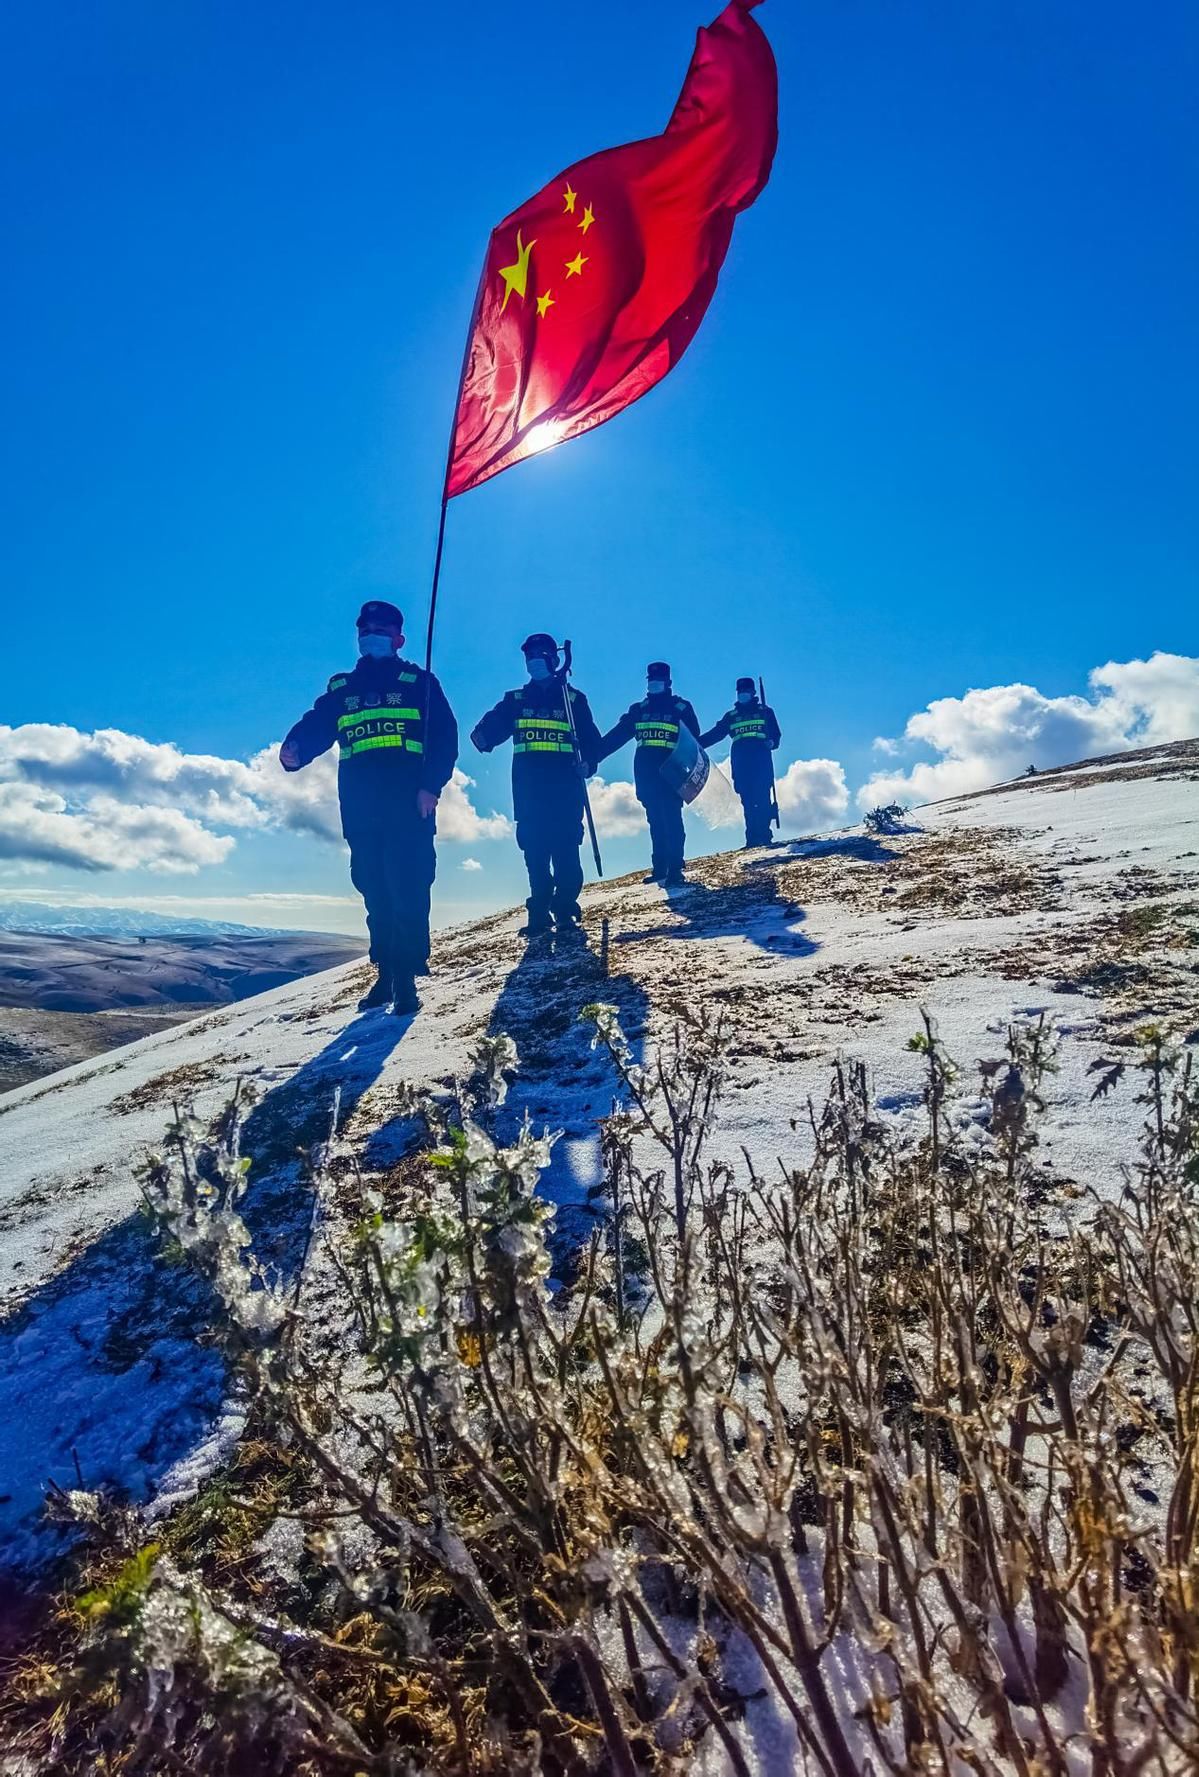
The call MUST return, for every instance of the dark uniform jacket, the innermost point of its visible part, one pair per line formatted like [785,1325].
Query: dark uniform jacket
[386,749]
[755,733]
[654,725]
[544,767]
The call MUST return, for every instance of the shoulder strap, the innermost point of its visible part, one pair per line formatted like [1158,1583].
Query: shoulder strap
[337,681]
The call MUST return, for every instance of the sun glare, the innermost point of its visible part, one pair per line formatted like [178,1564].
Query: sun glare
[544,436]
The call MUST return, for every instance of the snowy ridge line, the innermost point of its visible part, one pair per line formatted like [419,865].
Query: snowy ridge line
[1160,760]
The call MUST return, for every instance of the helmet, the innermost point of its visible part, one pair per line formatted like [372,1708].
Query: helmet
[541,644]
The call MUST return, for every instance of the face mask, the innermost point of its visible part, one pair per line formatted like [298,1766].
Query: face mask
[539,669]
[745,697]
[655,687]
[373,647]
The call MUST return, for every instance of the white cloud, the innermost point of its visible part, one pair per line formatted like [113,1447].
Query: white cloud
[302,801]
[38,826]
[1157,698]
[470,864]
[113,801]
[128,770]
[991,735]
[615,809]
[811,793]
[458,818]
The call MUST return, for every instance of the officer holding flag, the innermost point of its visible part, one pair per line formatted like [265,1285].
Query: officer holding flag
[396,743]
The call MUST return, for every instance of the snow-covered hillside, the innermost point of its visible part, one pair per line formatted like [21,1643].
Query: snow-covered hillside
[1073,893]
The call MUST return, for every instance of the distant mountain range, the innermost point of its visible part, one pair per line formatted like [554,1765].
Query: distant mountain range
[121,922]
[84,972]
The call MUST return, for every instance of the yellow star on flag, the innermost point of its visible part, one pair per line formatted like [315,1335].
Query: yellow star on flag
[574,267]
[588,219]
[516,277]
[544,304]
[570,197]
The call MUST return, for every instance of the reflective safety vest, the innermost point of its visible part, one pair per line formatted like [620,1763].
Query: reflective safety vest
[656,731]
[387,722]
[749,727]
[535,732]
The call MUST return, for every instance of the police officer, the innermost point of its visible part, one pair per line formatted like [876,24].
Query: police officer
[654,724]
[547,781]
[755,733]
[397,743]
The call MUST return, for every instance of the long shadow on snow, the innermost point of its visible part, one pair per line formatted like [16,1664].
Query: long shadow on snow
[863,846]
[755,909]
[562,1083]
[103,1381]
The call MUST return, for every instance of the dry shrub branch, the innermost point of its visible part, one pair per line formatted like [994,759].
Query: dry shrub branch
[841,1468]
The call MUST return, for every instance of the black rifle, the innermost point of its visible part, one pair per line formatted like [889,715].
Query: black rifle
[564,675]
[774,801]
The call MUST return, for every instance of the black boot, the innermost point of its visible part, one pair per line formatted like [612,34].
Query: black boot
[405,999]
[674,878]
[378,995]
[538,925]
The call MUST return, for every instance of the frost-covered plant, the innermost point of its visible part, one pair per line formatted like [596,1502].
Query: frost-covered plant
[889,819]
[192,1190]
[673,1102]
[866,1447]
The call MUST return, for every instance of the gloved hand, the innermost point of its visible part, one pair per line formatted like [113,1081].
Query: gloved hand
[426,802]
[289,758]
[588,768]
[477,741]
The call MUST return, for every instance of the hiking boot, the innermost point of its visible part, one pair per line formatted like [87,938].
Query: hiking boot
[405,999]
[674,879]
[378,995]
[652,878]
[539,927]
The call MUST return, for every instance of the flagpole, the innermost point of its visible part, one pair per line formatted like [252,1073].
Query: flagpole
[436,579]
[449,461]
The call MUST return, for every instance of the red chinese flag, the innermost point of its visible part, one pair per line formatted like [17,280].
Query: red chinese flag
[593,290]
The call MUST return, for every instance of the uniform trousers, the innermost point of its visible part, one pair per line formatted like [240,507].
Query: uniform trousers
[754,791]
[392,865]
[550,836]
[664,812]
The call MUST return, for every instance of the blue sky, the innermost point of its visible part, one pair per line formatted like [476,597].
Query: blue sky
[937,432]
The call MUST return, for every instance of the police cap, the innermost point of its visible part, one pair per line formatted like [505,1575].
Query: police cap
[657,669]
[540,644]
[379,614]
[745,684]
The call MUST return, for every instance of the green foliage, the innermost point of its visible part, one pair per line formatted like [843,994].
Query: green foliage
[119,1602]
